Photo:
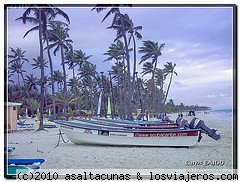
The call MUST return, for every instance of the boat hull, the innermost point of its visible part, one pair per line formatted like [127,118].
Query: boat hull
[102,136]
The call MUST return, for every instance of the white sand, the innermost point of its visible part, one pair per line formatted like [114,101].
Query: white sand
[32,144]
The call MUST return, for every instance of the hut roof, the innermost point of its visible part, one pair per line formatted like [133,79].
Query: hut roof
[12,104]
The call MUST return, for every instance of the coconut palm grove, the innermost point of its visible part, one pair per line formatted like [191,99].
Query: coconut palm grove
[59,95]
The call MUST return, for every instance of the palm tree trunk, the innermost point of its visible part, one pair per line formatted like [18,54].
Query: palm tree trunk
[22,78]
[130,92]
[42,74]
[120,97]
[124,90]
[139,95]
[52,77]
[170,82]
[91,97]
[18,79]
[64,83]
[154,89]
[134,58]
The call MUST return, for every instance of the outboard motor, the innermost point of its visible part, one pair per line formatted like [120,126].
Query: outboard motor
[199,124]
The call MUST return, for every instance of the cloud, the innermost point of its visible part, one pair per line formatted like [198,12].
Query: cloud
[211,96]
[222,95]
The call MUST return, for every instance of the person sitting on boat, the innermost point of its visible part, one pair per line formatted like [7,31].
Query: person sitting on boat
[165,118]
[143,116]
[159,116]
[181,121]
[140,116]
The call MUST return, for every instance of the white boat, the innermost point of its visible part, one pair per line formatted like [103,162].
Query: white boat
[88,134]
[111,123]
[138,122]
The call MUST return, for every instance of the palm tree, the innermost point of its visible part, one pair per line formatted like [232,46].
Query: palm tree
[58,77]
[16,67]
[117,52]
[38,63]
[32,105]
[88,76]
[71,60]
[159,77]
[147,68]
[151,50]
[133,31]
[7,75]
[50,17]
[141,91]
[39,19]
[159,81]
[81,57]
[88,70]
[72,99]
[169,69]
[114,9]
[73,83]
[117,71]
[15,93]
[31,82]
[60,38]
[17,59]
[18,55]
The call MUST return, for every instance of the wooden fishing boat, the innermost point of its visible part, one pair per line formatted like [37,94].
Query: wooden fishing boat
[79,133]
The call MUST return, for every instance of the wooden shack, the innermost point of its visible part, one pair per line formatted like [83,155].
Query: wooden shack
[10,121]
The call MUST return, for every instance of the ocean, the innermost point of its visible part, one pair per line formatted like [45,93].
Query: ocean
[222,113]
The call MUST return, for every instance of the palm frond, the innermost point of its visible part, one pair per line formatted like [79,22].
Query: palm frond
[29,31]
[138,35]
[63,14]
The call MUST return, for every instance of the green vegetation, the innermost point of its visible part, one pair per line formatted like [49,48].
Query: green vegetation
[127,89]
[170,107]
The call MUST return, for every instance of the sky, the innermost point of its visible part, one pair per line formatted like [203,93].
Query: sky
[197,39]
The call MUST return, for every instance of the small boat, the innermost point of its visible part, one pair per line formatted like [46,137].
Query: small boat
[111,123]
[47,124]
[79,133]
[24,125]
[138,122]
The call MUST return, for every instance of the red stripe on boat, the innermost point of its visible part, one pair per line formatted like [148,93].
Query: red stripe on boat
[162,124]
[165,134]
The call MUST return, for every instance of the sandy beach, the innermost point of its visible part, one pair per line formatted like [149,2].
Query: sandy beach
[40,144]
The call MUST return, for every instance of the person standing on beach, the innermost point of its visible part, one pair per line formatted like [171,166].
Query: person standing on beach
[147,115]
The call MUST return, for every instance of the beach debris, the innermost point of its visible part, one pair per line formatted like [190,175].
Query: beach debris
[29,142]
[39,151]
[13,142]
